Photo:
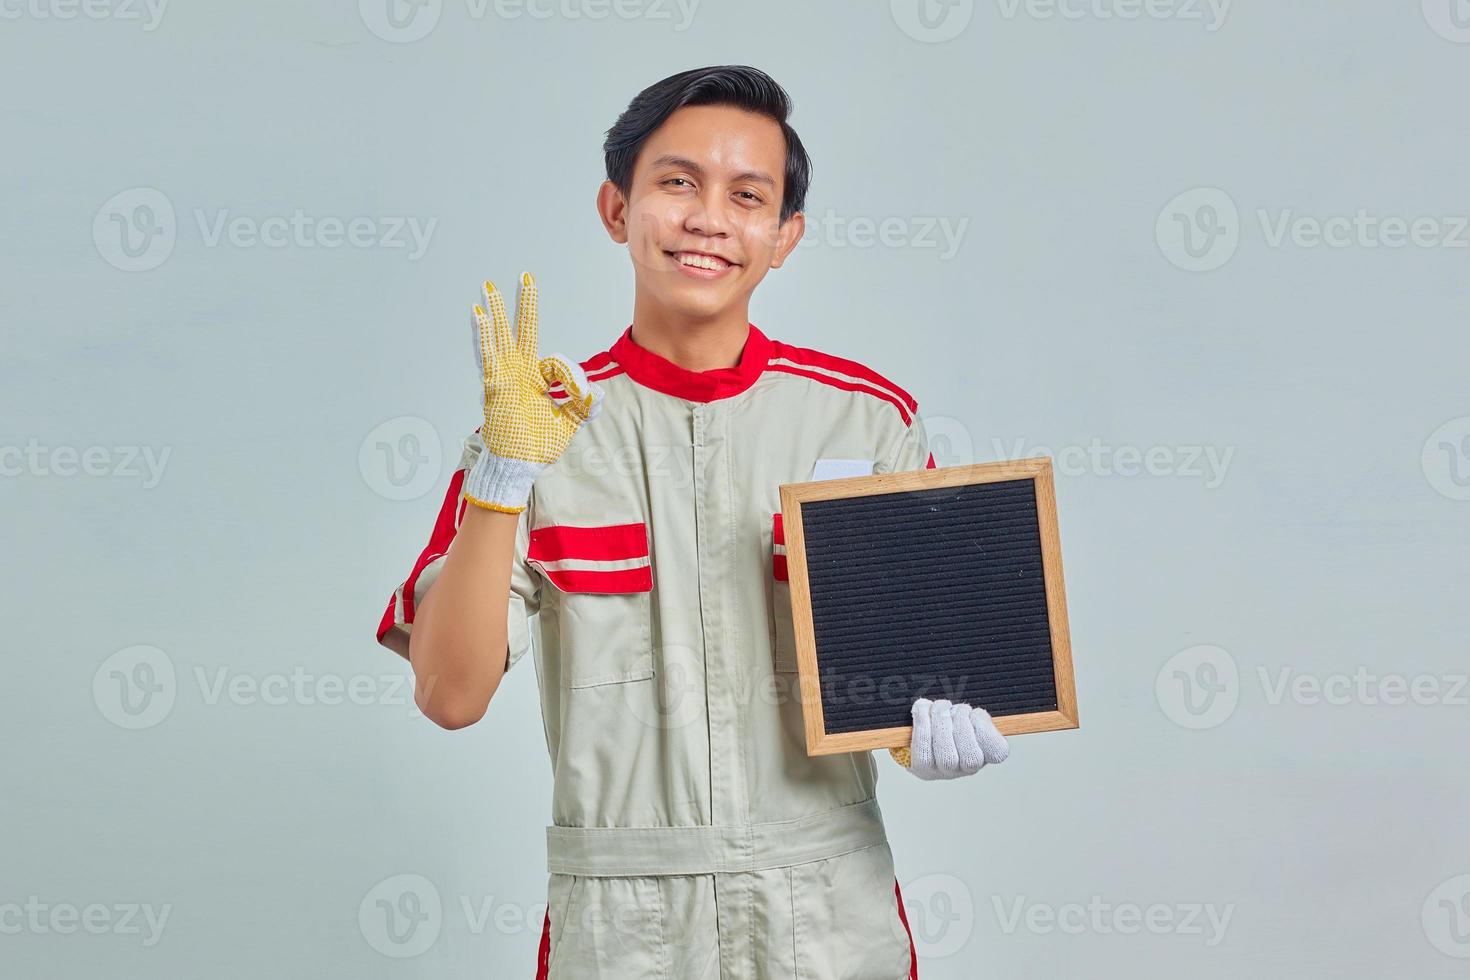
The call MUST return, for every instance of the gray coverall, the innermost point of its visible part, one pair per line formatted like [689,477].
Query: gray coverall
[691,836]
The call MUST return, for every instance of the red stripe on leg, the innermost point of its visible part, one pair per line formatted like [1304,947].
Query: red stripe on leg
[543,956]
[903,916]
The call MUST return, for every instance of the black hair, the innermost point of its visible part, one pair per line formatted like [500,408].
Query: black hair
[735,85]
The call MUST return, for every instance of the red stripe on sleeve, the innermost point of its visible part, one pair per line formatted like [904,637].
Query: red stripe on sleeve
[622,580]
[778,537]
[610,542]
[444,529]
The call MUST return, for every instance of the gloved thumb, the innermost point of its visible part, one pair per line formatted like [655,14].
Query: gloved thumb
[584,398]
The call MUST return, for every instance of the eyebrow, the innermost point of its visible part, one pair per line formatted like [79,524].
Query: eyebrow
[684,163]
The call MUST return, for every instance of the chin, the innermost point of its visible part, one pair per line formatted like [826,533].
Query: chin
[700,302]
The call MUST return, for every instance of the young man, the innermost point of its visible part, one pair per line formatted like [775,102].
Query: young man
[631,499]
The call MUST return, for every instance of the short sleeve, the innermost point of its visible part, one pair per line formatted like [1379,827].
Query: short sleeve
[909,451]
[525,591]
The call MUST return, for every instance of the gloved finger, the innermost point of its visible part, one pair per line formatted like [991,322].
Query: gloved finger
[583,398]
[495,307]
[527,329]
[991,741]
[921,757]
[946,755]
[483,337]
[971,757]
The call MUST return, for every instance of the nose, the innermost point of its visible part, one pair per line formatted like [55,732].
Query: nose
[709,216]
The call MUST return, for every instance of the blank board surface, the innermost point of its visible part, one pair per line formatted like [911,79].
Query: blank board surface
[941,583]
[926,585]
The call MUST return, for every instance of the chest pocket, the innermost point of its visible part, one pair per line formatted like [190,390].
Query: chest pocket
[605,578]
[783,638]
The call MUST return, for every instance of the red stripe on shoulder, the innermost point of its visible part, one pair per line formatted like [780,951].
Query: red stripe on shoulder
[830,362]
[598,361]
[598,367]
[847,385]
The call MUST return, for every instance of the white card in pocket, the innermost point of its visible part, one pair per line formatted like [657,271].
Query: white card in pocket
[829,468]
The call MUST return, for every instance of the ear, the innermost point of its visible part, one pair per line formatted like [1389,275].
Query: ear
[787,237]
[612,208]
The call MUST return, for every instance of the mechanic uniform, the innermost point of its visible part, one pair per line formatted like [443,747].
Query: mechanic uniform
[692,837]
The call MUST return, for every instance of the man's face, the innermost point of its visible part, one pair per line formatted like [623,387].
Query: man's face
[702,216]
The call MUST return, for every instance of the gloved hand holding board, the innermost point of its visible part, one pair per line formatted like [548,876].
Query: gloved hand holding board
[939,583]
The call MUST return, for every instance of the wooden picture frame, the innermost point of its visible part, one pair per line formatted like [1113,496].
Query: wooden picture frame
[795,495]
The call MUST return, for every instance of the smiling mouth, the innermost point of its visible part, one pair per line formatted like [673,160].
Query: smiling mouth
[700,261]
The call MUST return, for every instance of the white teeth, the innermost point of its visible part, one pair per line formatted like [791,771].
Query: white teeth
[701,261]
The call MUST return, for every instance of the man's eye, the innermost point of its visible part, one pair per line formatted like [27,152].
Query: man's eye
[672,179]
[750,196]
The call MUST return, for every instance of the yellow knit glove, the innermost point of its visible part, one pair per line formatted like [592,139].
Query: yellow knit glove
[525,428]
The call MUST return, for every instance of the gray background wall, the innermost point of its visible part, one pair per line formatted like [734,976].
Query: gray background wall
[1262,433]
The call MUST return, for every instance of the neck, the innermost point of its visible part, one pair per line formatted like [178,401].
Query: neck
[693,343]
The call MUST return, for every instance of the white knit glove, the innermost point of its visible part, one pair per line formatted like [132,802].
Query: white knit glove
[951,740]
[525,428]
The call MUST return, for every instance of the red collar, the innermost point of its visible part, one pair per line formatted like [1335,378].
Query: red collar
[661,374]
